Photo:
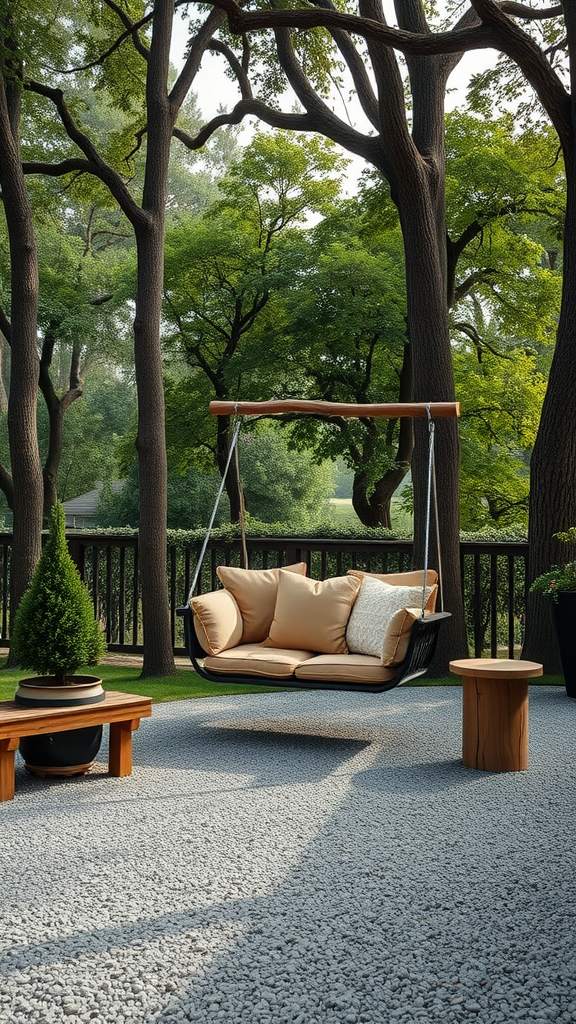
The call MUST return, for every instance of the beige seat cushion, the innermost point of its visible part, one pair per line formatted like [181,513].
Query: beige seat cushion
[415,578]
[375,612]
[312,614]
[345,668]
[256,660]
[217,621]
[255,592]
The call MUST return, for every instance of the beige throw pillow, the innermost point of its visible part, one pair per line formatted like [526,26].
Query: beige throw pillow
[375,612]
[255,592]
[398,635]
[414,578]
[217,621]
[312,615]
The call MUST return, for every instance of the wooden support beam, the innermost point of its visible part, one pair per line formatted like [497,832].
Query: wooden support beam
[389,410]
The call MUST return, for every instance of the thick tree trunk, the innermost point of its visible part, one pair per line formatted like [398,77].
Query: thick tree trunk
[152,464]
[553,464]
[25,457]
[433,381]
[151,444]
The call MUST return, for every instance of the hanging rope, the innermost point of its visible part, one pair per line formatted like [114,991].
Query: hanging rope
[233,444]
[242,510]
[428,502]
[437,523]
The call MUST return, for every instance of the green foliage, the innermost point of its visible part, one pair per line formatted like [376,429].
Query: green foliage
[560,577]
[280,486]
[190,501]
[504,86]
[283,486]
[226,276]
[501,402]
[54,631]
[280,179]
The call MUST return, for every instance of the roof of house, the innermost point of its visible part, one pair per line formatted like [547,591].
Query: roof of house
[86,504]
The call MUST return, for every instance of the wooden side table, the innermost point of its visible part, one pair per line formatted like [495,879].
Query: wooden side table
[495,712]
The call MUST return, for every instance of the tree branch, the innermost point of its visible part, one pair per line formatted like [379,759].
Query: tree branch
[497,30]
[131,27]
[112,49]
[512,40]
[357,68]
[517,10]
[192,64]
[419,44]
[479,343]
[484,276]
[58,170]
[217,46]
[357,143]
[96,165]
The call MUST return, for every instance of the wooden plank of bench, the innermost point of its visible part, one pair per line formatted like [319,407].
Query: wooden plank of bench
[122,711]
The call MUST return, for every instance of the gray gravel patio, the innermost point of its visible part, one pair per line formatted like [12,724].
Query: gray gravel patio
[297,858]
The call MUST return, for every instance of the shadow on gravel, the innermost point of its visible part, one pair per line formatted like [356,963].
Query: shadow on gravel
[426,777]
[267,756]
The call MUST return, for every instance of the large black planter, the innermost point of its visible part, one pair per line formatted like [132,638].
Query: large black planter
[565,622]
[61,753]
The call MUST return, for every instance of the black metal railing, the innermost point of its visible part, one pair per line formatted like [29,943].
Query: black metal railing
[493,577]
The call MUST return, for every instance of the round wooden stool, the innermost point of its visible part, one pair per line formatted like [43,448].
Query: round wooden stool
[495,712]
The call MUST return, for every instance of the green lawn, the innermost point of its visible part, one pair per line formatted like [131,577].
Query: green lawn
[126,679]
[187,684]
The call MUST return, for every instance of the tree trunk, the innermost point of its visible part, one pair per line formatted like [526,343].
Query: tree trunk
[25,457]
[232,485]
[152,462]
[375,510]
[553,463]
[424,247]
[56,408]
[54,457]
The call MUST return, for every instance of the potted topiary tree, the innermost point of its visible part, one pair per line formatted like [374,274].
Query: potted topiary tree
[559,583]
[54,633]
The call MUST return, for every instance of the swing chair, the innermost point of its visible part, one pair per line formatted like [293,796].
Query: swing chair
[364,632]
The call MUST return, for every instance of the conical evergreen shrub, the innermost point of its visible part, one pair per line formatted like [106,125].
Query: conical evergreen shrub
[54,630]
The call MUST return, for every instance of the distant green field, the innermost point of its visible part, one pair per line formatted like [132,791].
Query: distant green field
[342,514]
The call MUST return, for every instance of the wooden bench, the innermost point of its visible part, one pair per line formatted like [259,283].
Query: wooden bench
[122,711]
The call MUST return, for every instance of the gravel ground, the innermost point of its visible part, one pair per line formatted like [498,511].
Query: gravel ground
[297,858]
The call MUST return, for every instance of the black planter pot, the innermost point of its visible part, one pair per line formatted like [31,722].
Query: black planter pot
[61,753]
[565,622]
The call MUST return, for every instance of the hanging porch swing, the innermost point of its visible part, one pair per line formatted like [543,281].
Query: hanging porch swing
[363,632]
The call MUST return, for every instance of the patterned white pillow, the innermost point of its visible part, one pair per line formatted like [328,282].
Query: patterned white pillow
[374,609]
